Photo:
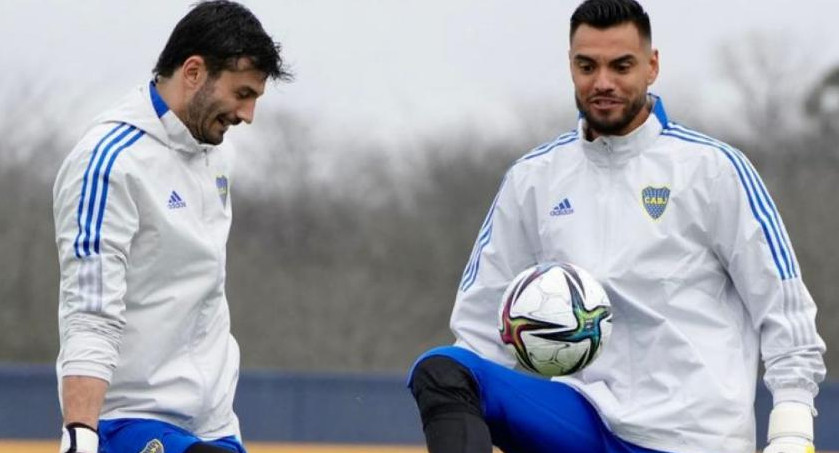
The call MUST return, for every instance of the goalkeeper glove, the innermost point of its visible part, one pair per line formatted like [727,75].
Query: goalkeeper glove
[790,429]
[79,438]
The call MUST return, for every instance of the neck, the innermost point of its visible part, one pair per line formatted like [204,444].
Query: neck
[173,96]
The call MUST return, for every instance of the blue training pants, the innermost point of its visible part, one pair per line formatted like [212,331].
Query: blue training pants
[124,435]
[530,414]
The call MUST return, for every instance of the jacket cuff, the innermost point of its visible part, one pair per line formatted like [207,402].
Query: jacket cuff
[88,369]
[793,394]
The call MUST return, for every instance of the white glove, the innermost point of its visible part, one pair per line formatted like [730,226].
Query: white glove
[79,438]
[790,445]
[790,429]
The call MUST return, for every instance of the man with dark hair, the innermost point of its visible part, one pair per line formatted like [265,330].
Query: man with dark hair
[681,232]
[142,211]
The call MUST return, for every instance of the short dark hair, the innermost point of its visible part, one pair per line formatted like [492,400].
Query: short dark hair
[608,13]
[221,32]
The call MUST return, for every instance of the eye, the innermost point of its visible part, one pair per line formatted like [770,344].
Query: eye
[624,67]
[585,68]
[245,93]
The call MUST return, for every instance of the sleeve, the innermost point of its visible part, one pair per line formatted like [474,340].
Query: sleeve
[501,251]
[754,246]
[95,220]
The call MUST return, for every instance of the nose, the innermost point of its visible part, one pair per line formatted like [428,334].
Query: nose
[245,111]
[603,81]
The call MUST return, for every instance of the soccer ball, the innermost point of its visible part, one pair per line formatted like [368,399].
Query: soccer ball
[555,318]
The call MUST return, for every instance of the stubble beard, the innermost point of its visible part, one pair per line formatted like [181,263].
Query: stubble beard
[199,112]
[617,126]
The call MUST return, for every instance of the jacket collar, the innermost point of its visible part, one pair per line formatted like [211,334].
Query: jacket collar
[179,137]
[617,149]
[146,110]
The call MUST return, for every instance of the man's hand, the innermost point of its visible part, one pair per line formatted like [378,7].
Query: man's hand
[790,429]
[82,397]
[79,438]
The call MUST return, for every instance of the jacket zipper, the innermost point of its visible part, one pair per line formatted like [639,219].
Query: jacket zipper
[607,205]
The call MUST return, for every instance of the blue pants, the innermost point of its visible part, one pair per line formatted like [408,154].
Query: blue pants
[526,413]
[123,435]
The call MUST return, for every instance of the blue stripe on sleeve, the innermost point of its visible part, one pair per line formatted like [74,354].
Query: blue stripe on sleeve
[762,197]
[470,274]
[772,216]
[91,203]
[546,148]
[484,235]
[106,180]
[84,185]
[747,180]
[790,259]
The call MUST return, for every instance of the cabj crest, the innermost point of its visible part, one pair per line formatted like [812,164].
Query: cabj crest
[655,200]
[221,185]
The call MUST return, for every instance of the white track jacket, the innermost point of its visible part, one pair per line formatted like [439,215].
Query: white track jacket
[142,214]
[703,281]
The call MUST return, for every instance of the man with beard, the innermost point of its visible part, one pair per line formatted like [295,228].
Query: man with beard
[680,230]
[142,212]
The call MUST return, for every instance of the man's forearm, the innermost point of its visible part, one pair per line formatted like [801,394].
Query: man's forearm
[82,398]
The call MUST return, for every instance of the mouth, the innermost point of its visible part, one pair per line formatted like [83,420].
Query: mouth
[224,123]
[605,103]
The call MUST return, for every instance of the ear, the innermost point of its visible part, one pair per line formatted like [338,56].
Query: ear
[194,71]
[654,67]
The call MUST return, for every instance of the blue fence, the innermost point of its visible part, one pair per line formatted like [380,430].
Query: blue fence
[274,406]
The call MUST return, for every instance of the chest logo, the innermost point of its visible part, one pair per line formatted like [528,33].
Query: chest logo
[175,201]
[221,185]
[655,200]
[562,208]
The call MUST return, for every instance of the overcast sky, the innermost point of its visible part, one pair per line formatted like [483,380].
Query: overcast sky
[401,64]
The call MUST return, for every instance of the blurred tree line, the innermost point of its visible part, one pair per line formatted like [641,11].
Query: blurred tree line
[354,267]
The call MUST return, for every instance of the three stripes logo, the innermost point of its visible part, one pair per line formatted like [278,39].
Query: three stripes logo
[96,184]
[563,208]
[175,201]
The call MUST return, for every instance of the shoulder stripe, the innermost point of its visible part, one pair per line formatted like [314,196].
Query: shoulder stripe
[756,202]
[83,196]
[92,204]
[762,207]
[94,180]
[106,181]
[548,147]
[791,263]
[762,195]
[470,274]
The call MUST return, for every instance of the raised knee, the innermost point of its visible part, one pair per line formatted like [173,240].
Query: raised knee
[441,384]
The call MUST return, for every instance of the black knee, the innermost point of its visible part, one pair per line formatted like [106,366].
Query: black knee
[442,385]
[202,447]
